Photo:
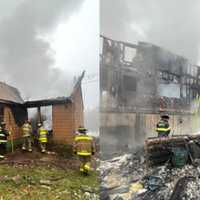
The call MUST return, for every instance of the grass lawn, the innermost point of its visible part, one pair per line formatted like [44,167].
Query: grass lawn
[46,183]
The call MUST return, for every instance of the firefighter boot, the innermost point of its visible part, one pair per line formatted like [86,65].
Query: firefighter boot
[43,147]
[87,168]
[24,146]
[29,145]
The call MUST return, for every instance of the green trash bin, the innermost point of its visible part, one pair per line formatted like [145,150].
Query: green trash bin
[179,157]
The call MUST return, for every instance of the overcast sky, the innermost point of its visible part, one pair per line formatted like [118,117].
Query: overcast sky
[44,44]
[171,24]
[76,43]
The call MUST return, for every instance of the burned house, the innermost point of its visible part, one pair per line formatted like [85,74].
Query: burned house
[12,110]
[137,83]
[67,112]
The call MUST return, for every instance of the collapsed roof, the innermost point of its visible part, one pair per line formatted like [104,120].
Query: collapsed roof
[9,94]
[48,102]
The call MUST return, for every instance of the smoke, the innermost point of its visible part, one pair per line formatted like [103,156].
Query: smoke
[171,24]
[26,58]
[92,120]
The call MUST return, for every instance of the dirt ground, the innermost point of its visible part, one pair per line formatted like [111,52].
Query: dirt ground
[35,157]
[25,175]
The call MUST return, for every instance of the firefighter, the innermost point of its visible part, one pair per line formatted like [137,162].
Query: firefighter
[163,129]
[42,135]
[27,132]
[3,139]
[84,148]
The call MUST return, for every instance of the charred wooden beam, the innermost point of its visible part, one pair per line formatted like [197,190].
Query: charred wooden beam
[160,150]
[180,187]
[48,102]
[39,115]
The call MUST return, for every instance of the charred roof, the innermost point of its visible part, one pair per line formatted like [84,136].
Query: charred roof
[48,102]
[9,94]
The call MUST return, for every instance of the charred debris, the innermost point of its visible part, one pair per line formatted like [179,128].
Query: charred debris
[129,177]
[138,83]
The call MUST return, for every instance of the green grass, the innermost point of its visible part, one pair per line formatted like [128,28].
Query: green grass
[71,184]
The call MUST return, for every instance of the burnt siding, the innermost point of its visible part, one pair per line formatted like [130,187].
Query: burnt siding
[149,68]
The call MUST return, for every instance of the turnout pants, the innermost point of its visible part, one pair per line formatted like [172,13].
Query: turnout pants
[163,134]
[2,150]
[85,165]
[43,146]
[27,145]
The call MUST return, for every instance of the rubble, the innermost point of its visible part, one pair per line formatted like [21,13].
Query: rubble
[159,150]
[120,175]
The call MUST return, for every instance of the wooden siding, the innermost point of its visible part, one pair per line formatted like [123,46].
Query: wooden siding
[62,120]
[11,124]
[67,118]
[78,108]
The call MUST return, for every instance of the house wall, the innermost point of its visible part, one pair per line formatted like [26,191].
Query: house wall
[117,132]
[180,124]
[123,131]
[78,108]
[11,124]
[62,123]
[67,118]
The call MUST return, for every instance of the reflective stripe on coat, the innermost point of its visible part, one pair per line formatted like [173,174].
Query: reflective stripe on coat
[43,135]
[84,145]
[26,130]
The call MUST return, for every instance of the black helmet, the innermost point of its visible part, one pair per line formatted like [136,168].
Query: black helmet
[82,129]
[3,123]
[165,116]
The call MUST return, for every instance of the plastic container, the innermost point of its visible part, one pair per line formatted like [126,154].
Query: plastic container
[179,157]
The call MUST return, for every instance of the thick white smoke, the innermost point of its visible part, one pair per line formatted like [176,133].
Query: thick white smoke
[171,24]
[26,57]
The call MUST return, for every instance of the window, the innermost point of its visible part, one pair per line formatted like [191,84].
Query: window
[129,54]
[171,90]
[184,91]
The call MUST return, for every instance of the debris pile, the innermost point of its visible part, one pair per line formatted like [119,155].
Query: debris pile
[128,177]
[162,149]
